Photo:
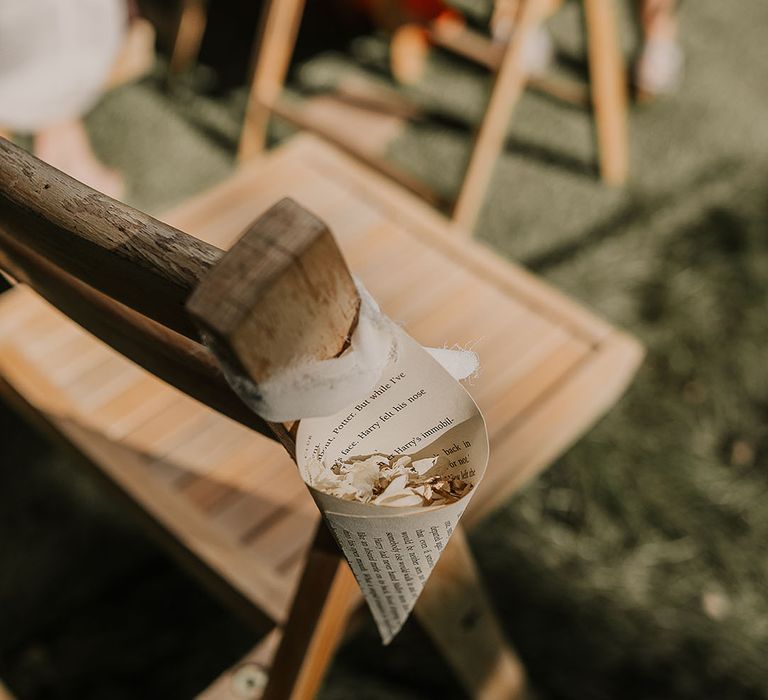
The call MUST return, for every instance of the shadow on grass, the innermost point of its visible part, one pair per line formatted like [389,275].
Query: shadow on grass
[638,211]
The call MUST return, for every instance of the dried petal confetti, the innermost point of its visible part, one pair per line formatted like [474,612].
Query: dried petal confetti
[388,480]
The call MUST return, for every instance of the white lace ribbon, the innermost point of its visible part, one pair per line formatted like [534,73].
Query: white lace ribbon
[324,387]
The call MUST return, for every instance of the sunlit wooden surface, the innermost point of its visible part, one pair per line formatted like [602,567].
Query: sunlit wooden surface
[549,369]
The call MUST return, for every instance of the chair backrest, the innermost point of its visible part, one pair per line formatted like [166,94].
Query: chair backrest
[127,278]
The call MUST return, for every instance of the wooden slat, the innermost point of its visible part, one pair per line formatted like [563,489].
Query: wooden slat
[17,314]
[37,330]
[208,492]
[129,471]
[243,205]
[101,382]
[132,472]
[157,436]
[143,400]
[202,452]
[287,535]
[33,337]
[77,358]
[565,414]
[219,215]
[252,509]
[537,344]
[29,382]
[370,126]
[175,358]
[58,341]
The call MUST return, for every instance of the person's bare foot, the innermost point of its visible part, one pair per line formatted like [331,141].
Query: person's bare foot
[66,146]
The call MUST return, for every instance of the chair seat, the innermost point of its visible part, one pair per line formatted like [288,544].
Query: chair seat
[549,369]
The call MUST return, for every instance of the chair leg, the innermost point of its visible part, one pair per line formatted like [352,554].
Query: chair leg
[507,88]
[5,694]
[608,83]
[456,613]
[277,36]
[189,35]
[453,608]
[325,596]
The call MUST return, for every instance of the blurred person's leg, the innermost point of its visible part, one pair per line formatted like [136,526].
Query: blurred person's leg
[55,61]
[659,67]
[66,146]
[137,54]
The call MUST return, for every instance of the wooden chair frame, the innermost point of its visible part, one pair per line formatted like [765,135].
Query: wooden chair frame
[278,33]
[145,288]
[80,256]
[191,21]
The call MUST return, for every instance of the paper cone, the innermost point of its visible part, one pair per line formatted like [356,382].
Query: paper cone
[416,409]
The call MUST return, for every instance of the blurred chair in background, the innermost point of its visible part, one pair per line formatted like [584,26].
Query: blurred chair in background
[658,68]
[519,50]
[191,21]
[510,60]
[56,59]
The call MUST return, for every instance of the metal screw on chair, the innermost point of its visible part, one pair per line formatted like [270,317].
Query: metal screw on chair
[249,681]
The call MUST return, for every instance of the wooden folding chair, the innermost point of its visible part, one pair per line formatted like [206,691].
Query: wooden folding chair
[224,494]
[278,33]
[126,278]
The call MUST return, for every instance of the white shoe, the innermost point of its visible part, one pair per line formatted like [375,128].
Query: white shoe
[538,51]
[659,70]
